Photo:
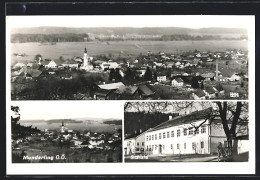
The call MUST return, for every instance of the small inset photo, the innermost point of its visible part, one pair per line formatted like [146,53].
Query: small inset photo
[66,132]
[187,131]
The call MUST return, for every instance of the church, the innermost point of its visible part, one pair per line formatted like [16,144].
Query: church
[86,62]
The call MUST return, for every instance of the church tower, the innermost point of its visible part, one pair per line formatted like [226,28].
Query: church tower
[85,58]
[63,128]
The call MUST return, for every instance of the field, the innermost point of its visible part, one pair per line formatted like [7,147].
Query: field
[123,48]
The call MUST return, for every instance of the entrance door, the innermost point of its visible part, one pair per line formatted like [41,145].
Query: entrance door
[160,148]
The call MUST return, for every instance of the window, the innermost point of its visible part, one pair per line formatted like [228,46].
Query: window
[193,145]
[172,134]
[160,136]
[147,138]
[137,144]
[155,147]
[168,134]
[164,135]
[201,144]
[196,131]
[171,146]
[185,132]
[152,137]
[203,129]
[190,131]
[147,147]
[178,146]
[142,143]
[152,147]
[184,145]
[155,137]
[163,147]
[178,133]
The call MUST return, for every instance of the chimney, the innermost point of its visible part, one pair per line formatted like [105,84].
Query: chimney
[170,117]
[104,82]
[140,130]
[135,131]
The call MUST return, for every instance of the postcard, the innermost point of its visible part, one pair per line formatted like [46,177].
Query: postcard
[146,94]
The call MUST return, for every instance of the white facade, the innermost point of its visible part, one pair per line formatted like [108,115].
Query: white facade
[52,64]
[178,139]
[176,83]
[161,78]
[109,65]
[129,146]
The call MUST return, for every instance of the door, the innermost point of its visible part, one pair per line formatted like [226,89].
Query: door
[160,149]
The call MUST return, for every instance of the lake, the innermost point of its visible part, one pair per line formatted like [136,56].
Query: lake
[96,127]
[131,48]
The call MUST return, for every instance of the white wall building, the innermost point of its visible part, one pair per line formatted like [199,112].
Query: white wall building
[178,135]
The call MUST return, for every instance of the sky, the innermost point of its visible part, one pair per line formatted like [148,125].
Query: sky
[45,110]
[188,21]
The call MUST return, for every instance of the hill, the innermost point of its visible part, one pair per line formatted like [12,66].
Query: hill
[127,30]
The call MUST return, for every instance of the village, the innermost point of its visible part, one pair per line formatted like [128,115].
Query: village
[66,145]
[154,75]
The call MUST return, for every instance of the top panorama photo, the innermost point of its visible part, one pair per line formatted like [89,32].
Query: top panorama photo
[128,57]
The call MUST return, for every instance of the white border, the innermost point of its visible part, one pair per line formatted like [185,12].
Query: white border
[140,168]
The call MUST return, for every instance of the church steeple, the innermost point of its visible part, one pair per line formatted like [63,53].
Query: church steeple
[85,50]
[62,123]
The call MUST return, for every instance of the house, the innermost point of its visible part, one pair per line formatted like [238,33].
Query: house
[234,94]
[102,94]
[123,92]
[110,86]
[66,76]
[169,64]
[34,73]
[70,63]
[234,77]
[161,78]
[109,65]
[135,145]
[145,92]
[129,146]
[184,135]
[177,82]
[199,94]
[210,92]
[208,76]
[47,63]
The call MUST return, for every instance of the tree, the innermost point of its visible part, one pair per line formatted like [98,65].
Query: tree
[130,76]
[195,83]
[148,74]
[17,130]
[118,76]
[202,85]
[112,74]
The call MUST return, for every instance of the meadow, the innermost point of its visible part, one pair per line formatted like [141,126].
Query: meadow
[122,48]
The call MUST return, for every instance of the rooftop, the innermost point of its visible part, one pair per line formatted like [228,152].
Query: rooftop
[184,119]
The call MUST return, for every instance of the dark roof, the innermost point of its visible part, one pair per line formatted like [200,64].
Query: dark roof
[209,90]
[199,92]
[126,89]
[102,92]
[58,62]
[146,90]
[185,119]
[178,80]
[34,72]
